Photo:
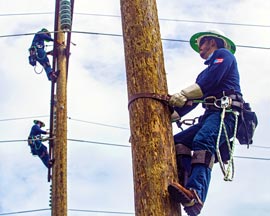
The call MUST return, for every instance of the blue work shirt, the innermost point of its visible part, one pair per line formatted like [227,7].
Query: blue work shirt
[39,39]
[221,75]
[36,130]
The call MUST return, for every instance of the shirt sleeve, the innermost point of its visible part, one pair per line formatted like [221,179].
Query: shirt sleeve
[38,130]
[46,37]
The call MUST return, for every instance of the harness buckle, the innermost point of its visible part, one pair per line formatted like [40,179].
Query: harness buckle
[223,102]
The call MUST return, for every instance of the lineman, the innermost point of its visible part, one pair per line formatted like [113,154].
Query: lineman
[196,146]
[36,145]
[37,53]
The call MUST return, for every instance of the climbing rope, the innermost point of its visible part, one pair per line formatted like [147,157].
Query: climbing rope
[229,172]
[36,71]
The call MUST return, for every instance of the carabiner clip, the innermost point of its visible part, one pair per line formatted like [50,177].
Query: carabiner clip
[225,102]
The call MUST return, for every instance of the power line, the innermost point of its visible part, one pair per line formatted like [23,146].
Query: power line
[26,34]
[69,118]
[119,35]
[23,212]
[96,123]
[121,145]
[21,118]
[184,20]
[99,143]
[252,158]
[72,210]
[106,212]
[72,140]
[26,14]
[164,39]
[256,146]
[162,19]
[88,122]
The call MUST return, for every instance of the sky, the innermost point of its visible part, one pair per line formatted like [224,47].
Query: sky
[100,176]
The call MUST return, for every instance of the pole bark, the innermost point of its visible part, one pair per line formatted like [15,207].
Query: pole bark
[153,154]
[59,171]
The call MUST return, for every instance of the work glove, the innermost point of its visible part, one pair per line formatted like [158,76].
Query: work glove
[192,92]
[178,100]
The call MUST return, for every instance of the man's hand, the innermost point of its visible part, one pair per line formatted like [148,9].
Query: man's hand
[178,100]
[192,92]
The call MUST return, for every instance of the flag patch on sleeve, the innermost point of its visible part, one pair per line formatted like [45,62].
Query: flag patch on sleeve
[218,60]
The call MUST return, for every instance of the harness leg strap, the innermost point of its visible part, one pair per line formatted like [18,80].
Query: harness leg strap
[183,159]
[203,157]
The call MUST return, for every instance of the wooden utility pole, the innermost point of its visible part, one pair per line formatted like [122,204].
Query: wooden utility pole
[59,171]
[154,165]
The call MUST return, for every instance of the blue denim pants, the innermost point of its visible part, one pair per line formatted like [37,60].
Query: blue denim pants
[37,148]
[44,61]
[203,136]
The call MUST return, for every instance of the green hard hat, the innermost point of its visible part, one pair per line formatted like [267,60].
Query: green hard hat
[46,31]
[195,40]
[41,123]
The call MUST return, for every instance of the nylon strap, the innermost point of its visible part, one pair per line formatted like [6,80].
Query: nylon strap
[155,96]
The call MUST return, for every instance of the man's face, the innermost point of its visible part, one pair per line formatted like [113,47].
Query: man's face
[205,47]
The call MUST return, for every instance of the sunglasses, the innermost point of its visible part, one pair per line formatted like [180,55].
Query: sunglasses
[203,40]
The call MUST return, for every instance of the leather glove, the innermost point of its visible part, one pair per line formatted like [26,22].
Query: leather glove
[192,92]
[178,100]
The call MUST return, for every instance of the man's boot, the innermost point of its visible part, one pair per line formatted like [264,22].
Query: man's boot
[54,75]
[187,197]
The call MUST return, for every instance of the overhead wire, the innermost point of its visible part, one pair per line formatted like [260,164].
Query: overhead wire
[69,118]
[98,143]
[106,212]
[24,212]
[120,35]
[97,123]
[162,19]
[89,122]
[22,118]
[71,210]
[121,145]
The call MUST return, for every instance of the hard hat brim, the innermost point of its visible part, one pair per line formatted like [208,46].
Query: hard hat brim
[194,41]
[38,121]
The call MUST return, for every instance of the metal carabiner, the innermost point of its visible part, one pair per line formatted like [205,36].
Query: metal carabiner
[225,102]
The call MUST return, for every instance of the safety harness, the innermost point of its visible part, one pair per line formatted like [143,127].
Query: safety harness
[33,56]
[227,102]
[32,141]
